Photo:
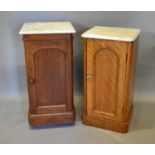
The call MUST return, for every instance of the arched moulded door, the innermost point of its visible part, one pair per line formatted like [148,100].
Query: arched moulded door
[106,66]
[49,71]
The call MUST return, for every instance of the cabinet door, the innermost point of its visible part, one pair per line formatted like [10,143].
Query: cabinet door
[105,78]
[49,73]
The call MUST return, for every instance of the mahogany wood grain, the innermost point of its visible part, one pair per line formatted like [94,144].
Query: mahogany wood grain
[108,83]
[49,63]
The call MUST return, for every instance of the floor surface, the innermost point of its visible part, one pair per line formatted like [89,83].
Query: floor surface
[14,127]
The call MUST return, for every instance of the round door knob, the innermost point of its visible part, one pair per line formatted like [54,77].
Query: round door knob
[89,77]
[32,80]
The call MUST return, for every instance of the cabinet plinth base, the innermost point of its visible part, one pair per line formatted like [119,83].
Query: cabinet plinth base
[47,119]
[107,124]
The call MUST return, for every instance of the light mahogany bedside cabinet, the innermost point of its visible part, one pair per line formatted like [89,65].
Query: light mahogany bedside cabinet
[109,66]
[49,65]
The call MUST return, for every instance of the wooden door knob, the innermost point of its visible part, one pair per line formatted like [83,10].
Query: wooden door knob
[32,80]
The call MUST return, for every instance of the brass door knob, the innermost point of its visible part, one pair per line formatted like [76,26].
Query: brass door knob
[89,77]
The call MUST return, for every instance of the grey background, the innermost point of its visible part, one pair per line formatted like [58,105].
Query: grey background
[13,87]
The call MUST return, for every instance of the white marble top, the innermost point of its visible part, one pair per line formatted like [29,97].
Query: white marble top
[47,28]
[112,33]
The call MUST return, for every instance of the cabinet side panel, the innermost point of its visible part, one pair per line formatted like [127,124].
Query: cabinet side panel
[49,67]
[130,73]
[29,72]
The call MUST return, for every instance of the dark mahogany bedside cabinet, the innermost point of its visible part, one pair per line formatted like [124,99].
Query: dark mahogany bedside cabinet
[49,65]
[109,66]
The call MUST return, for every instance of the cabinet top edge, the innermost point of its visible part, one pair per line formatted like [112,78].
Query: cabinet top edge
[47,28]
[112,33]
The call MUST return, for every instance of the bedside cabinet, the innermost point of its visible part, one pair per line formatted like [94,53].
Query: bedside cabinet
[49,65]
[109,66]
